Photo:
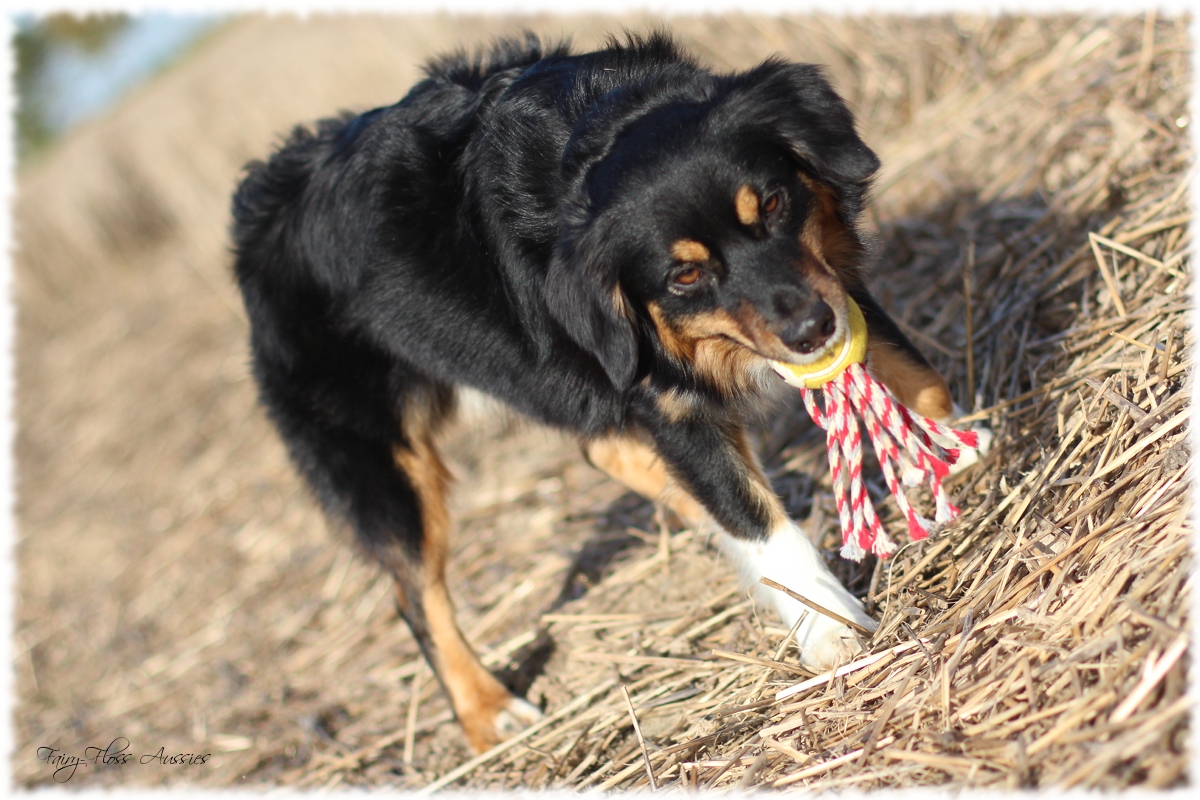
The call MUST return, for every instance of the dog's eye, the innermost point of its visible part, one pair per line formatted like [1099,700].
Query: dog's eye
[772,203]
[687,277]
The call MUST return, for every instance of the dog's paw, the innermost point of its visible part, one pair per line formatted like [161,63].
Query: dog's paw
[501,716]
[790,559]
[518,716]
[828,646]
[821,641]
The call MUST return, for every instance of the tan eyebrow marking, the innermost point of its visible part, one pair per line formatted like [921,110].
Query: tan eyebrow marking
[690,251]
[746,203]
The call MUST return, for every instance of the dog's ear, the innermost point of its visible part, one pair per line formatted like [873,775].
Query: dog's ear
[584,296]
[795,103]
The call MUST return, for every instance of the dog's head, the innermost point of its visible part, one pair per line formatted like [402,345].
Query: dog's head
[720,219]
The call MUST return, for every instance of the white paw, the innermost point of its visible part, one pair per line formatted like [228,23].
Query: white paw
[516,717]
[830,646]
[789,557]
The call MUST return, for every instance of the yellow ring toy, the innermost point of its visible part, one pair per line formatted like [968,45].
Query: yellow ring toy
[851,350]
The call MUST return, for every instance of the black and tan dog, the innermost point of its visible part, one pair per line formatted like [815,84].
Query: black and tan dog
[614,244]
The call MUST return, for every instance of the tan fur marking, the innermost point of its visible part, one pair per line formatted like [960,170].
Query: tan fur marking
[477,697]
[746,204]
[707,324]
[681,336]
[474,692]
[690,251]
[764,340]
[715,344]
[679,346]
[824,235]
[725,352]
[635,464]
[621,304]
[674,405]
[915,385]
[812,236]
[727,367]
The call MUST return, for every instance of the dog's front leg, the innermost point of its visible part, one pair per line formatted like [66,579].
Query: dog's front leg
[716,467]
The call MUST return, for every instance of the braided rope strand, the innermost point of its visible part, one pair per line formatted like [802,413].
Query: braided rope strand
[913,450]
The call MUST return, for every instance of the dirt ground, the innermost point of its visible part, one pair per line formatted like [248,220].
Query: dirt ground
[178,590]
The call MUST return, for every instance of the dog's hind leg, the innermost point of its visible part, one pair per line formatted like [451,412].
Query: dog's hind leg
[487,711]
[390,485]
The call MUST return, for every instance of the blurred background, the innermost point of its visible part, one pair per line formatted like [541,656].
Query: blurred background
[72,67]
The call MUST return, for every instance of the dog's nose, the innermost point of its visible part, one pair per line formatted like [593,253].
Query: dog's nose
[812,331]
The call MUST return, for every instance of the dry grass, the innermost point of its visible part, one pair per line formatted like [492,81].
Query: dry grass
[177,588]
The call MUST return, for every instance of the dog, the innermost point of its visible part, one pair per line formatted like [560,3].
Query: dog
[616,244]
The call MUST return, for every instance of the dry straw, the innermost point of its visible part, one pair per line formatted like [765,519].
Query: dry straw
[178,588]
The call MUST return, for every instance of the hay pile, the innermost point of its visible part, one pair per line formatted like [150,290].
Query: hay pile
[178,588]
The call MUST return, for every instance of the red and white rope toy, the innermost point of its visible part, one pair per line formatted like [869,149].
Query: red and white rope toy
[912,449]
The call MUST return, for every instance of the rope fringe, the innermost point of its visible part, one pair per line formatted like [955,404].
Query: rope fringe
[913,450]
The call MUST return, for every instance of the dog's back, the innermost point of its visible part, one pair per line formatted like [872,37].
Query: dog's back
[306,223]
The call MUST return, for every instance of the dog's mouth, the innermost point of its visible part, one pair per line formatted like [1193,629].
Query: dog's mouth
[845,346]
[802,343]
[806,343]
[821,344]
[837,342]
